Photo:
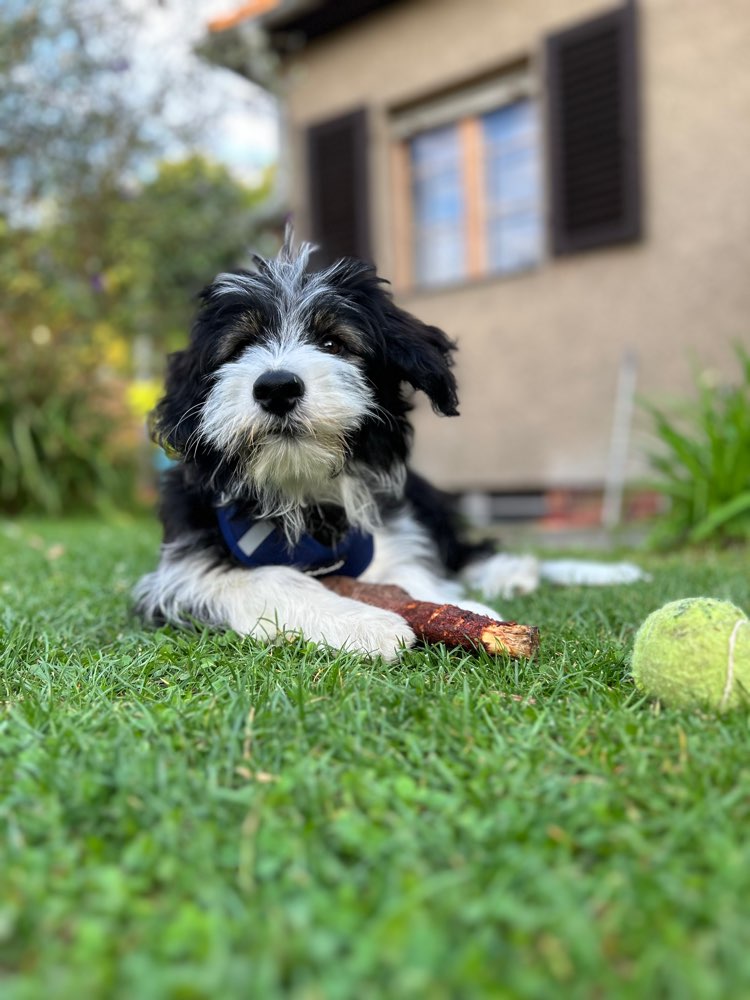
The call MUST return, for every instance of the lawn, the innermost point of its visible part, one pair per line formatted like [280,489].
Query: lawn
[192,815]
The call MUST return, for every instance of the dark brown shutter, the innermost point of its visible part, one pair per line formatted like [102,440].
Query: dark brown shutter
[594,132]
[338,187]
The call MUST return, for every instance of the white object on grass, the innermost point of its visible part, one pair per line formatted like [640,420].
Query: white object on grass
[588,573]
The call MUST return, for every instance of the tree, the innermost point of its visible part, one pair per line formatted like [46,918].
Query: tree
[103,244]
[81,110]
[67,438]
[164,244]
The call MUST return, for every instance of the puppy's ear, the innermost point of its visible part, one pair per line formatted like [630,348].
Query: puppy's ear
[420,354]
[424,356]
[175,419]
[173,424]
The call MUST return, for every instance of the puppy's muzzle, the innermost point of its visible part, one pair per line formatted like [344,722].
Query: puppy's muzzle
[278,391]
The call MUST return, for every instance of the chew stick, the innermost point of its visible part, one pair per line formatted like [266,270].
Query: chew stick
[442,622]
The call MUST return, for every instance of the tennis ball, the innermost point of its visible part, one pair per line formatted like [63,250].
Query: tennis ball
[695,652]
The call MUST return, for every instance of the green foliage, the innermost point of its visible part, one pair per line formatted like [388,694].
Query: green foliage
[55,451]
[191,814]
[67,441]
[704,464]
[64,441]
[79,109]
[164,243]
[92,256]
[78,293]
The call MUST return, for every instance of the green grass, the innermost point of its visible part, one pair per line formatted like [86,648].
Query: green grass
[193,815]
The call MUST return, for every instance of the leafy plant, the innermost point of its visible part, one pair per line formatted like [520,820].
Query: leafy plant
[67,441]
[102,247]
[73,397]
[704,463]
[165,242]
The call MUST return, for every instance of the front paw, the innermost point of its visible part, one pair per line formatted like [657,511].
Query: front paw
[353,627]
[371,631]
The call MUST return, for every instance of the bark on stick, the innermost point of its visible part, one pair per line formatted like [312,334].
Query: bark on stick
[444,623]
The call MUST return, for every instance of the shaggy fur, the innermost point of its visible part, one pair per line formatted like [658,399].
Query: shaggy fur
[291,403]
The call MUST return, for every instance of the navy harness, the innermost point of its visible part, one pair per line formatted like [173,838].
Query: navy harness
[257,542]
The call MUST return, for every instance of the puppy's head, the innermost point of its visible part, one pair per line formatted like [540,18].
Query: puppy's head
[290,374]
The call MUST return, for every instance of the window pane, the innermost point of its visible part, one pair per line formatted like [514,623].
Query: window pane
[438,206]
[512,123]
[512,178]
[514,243]
[512,187]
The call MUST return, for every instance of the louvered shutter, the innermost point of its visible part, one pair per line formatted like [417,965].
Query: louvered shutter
[338,187]
[594,132]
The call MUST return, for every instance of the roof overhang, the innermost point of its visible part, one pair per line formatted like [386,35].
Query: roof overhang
[292,24]
[253,38]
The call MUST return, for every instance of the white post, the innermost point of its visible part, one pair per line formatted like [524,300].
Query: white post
[622,421]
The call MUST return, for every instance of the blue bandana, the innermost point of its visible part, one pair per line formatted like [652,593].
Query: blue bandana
[260,543]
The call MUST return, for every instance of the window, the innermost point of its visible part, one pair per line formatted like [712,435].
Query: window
[438,206]
[511,169]
[472,202]
[467,182]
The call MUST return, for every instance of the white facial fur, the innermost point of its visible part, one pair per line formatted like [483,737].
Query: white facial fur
[300,457]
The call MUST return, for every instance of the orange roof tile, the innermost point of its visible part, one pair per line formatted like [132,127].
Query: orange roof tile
[253,8]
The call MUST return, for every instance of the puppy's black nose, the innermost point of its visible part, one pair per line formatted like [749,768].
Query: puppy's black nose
[278,391]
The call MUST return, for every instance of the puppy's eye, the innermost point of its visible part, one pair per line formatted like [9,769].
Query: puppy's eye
[332,345]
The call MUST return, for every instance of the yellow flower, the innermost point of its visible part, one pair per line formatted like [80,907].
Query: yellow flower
[143,395]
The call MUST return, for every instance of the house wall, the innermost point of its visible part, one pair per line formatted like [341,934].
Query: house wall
[539,351]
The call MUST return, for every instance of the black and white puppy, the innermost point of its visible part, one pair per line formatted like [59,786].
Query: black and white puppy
[288,412]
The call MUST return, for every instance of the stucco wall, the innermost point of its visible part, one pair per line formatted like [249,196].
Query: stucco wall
[539,351]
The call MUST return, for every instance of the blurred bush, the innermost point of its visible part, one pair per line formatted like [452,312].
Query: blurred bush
[165,242]
[73,404]
[704,463]
[67,441]
[103,246]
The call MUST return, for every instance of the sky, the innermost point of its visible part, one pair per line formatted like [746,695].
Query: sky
[243,132]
